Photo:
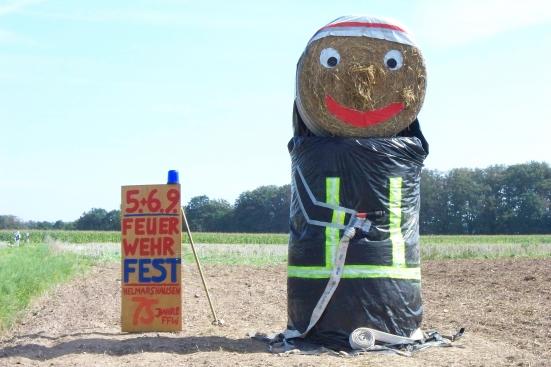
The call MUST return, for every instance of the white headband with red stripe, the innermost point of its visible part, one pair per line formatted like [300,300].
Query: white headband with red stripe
[358,26]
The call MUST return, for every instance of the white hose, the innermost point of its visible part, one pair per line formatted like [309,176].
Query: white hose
[362,338]
[331,286]
[365,338]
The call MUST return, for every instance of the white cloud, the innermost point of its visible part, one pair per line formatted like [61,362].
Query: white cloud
[194,18]
[11,7]
[133,15]
[462,21]
[16,5]
[190,15]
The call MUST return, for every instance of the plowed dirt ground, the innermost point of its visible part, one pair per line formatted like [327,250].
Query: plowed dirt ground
[505,306]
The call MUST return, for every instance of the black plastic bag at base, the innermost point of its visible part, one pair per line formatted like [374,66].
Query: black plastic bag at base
[380,286]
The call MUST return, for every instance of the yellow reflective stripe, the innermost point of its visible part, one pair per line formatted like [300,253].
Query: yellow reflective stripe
[355,272]
[397,270]
[332,235]
[395,228]
[338,216]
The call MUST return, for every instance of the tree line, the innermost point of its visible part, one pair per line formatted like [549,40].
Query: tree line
[496,200]
[94,220]
[265,209]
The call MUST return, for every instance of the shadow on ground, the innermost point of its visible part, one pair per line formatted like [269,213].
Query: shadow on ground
[120,347]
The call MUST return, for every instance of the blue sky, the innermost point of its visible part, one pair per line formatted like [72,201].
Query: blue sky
[99,94]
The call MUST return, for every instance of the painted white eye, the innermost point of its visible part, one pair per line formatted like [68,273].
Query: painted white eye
[329,57]
[394,60]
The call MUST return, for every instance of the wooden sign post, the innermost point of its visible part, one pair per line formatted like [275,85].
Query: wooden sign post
[151,257]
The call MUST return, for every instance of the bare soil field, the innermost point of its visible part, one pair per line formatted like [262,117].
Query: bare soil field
[505,306]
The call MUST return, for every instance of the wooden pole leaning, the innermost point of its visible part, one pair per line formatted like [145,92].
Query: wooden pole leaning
[216,321]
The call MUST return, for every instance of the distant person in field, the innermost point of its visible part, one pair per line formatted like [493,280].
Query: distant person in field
[17,237]
[27,236]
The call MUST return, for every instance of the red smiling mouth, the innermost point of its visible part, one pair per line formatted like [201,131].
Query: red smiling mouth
[362,118]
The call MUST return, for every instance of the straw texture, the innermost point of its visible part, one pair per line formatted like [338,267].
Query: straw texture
[361,82]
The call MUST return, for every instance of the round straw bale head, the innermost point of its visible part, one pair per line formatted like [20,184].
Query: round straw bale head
[357,86]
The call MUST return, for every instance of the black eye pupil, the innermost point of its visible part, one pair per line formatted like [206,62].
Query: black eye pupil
[332,61]
[391,63]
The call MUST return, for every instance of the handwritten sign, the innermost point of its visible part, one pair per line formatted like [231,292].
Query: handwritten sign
[151,226]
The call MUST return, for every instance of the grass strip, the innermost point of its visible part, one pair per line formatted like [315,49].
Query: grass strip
[449,251]
[27,271]
[39,236]
[77,237]
[234,254]
[524,239]
[247,254]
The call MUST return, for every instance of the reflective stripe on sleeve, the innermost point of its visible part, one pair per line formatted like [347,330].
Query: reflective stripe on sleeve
[332,235]
[395,227]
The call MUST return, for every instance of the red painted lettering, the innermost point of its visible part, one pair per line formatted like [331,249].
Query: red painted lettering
[163,226]
[168,243]
[169,225]
[150,246]
[167,311]
[170,320]
[146,305]
[129,248]
[139,224]
[126,224]
[174,227]
[151,226]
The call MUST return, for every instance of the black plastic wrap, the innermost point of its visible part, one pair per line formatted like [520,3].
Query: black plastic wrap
[380,287]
